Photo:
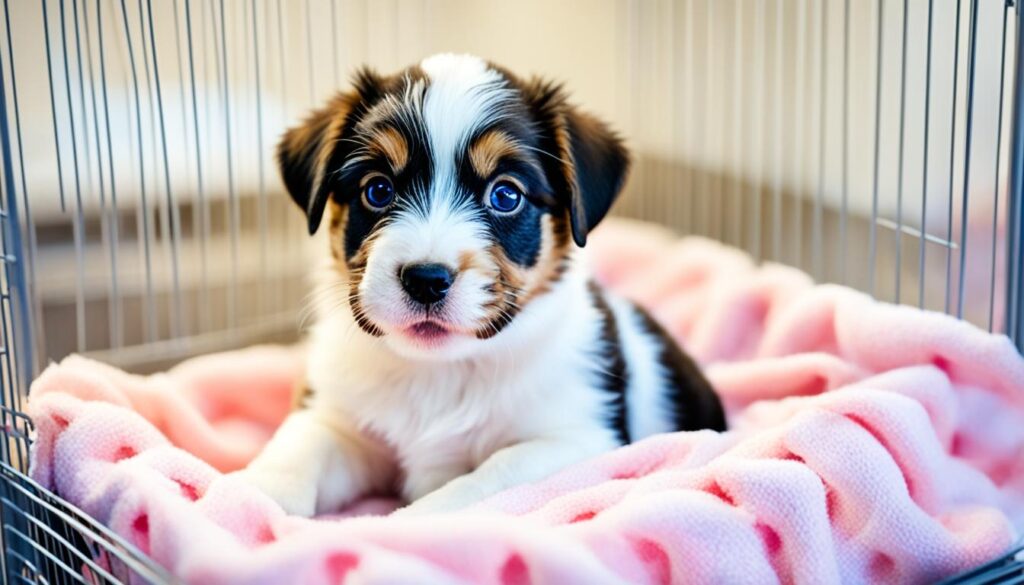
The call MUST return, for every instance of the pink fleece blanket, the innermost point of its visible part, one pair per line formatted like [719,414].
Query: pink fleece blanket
[869,443]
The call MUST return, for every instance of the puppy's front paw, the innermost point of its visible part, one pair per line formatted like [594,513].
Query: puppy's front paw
[296,495]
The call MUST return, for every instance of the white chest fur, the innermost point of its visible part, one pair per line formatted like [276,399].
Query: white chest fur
[441,420]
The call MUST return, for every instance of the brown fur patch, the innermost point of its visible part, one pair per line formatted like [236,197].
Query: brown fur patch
[487,150]
[356,270]
[507,288]
[390,143]
[514,286]
[301,394]
[314,139]
[338,214]
[554,256]
[467,261]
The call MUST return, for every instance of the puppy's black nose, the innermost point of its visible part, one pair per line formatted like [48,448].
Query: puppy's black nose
[426,283]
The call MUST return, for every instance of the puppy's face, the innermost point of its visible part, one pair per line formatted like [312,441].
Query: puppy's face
[455,193]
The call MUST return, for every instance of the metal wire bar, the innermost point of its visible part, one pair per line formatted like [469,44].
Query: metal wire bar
[916,233]
[760,42]
[29,258]
[62,541]
[107,223]
[79,221]
[53,105]
[993,571]
[334,40]
[148,312]
[968,139]
[202,220]
[262,187]
[172,207]
[86,148]
[158,214]
[873,233]
[45,552]
[817,252]
[1015,241]
[737,123]
[845,164]
[674,80]
[77,520]
[309,52]
[709,199]
[26,564]
[14,275]
[777,186]
[995,182]
[283,77]
[117,333]
[952,154]
[31,253]
[180,61]
[691,109]
[923,248]
[901,153]
[799,171]
[233,215]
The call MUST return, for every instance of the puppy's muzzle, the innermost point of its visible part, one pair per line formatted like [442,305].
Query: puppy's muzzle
[426,284]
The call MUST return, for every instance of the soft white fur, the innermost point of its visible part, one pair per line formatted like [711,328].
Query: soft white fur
[436,235]
[449,425]
[522,407]
[463,94]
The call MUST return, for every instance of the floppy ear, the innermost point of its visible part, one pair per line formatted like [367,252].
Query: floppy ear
[592,160]
[305,151]
[599,163]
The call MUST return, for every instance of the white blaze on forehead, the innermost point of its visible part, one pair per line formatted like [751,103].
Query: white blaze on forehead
[462,95]
[440,237]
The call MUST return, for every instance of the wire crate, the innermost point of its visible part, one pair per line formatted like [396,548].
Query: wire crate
[877,144]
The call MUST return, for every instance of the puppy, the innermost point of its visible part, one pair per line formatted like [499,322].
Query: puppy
[460,348]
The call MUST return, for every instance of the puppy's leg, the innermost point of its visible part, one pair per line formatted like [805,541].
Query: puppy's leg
[518,464]
[317,463]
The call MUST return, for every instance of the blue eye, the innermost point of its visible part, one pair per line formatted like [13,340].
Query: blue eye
[505,197]
[379,192]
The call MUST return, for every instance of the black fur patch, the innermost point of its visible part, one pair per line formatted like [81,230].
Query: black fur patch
[410,185]
[614,375]
[519,236]
[695,404]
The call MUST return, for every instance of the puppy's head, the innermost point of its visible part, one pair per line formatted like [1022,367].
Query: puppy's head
[455,193]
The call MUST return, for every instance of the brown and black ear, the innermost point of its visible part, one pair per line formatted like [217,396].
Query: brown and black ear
[599,163]
[592,160]
[305,151]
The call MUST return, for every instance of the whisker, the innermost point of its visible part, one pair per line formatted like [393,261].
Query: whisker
[544,152]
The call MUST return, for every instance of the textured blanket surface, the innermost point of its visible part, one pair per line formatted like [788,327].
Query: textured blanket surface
[869,443]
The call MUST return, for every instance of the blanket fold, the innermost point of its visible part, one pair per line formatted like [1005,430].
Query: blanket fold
[868,443]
